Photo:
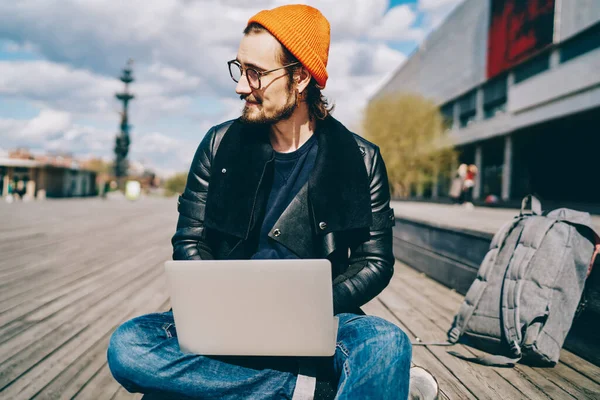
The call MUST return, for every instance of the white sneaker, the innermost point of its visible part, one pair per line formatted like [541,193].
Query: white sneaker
[423,385]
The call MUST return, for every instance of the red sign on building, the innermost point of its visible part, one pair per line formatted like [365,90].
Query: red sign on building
[518,30]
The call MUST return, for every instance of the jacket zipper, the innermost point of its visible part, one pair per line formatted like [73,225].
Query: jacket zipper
[256,196]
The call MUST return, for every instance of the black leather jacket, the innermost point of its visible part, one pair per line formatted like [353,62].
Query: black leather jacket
[341,214]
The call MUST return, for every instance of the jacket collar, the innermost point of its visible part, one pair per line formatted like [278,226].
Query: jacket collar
[338,188]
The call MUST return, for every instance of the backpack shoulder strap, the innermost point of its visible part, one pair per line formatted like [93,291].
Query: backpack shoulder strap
[531,238]
[535,207]
[478,287]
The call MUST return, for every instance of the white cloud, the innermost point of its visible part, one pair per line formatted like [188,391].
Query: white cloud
[53,84]
[357,70]
[180,48]
[397,25]
[162,90]
[193,35]
[349,19]
[156,142]
[351,60]
[46,125]
[163,153]
[54,131]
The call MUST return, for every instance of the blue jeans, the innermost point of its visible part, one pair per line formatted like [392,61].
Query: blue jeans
[371,361]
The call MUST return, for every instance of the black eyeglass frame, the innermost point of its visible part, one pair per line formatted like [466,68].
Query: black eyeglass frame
[259,74]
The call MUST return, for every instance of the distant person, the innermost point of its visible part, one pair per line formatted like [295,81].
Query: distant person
[285,153]
[456,188]
[105,189]
[468,186]
[10,197]
[20,190]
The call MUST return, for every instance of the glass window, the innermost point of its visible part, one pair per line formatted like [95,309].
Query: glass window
[492,111]
[467,103]
[494,97]
[467,108]
[582,43]
[532,67]
[447,111]
[466,119]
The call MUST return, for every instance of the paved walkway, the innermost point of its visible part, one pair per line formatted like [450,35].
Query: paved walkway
[483,219]
[71,271]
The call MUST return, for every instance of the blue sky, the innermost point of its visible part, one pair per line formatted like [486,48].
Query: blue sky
[59,68]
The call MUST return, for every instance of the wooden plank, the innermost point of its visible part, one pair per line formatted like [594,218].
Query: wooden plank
[102,386]
[450,386]
[449,301]
[37,348]
[123,394]
[97,292]
[547,379]
[482,381]
[40,300]
[571,381]
[580,365]
[20,306]
[51,240]
[55,253]
[415,292]
[54,296]
[150,294]
[77,267]
[118,262]
[74,377]
[90,216]
[84,269]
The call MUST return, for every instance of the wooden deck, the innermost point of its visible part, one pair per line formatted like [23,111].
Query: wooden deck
[73,270]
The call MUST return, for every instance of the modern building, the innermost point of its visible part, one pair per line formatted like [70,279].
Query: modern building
[519,82]
[39,178]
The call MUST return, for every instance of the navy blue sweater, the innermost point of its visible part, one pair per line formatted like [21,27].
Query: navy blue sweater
[291,174]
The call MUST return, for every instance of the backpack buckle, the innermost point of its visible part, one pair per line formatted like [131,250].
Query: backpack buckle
[454,335]
[515,348]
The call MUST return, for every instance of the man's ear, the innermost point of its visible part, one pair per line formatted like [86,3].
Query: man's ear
[302,78]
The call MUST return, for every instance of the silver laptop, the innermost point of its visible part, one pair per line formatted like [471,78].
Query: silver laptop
[253,307]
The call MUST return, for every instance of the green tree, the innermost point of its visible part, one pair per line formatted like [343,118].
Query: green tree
[175,184]
[411,133]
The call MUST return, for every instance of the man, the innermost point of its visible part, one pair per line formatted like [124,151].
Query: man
[285,180]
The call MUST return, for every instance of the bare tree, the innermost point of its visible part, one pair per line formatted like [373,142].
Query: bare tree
[411,133]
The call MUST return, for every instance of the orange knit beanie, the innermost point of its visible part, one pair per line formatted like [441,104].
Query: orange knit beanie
[304,31]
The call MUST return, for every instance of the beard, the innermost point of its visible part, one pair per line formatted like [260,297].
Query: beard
[257,114]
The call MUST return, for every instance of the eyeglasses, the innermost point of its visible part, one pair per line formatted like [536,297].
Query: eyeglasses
[236,71]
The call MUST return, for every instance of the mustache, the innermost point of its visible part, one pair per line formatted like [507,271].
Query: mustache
[246,97]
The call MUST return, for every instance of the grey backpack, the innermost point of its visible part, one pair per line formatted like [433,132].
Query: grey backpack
[528,287]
